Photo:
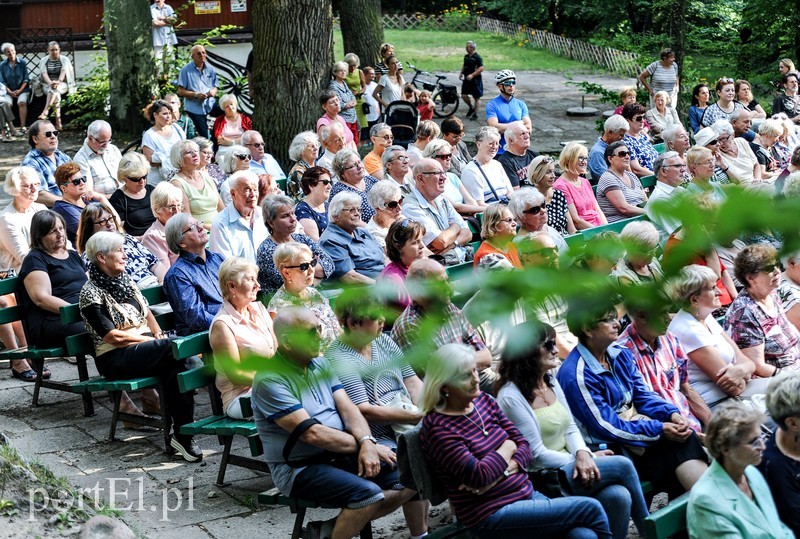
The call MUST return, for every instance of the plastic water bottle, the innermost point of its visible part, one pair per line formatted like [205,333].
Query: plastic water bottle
[602,447]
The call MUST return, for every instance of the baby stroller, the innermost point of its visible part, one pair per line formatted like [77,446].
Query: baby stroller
[402,117]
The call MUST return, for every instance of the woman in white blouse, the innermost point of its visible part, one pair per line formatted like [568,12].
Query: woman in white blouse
[484,177]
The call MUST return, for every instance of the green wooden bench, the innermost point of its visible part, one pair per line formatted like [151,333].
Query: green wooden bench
[281,184]
[36,356]
[616,226]
[224,427]
[648,182]
[668,520]
[660,147]
[82,344]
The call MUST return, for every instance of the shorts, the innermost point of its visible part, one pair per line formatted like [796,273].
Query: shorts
[338,484]
[472,87]
[660,460]
[24,97]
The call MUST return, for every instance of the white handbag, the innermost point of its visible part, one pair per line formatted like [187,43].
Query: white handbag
[401,400]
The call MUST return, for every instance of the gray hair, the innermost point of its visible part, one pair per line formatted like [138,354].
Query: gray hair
[390,153]
[327,130]
[472,44]
[690,281]
[14,179]
[174,231]
[665,95]
[381,192]
[514,129]
[239,176]
[340,65]
[287,253]
[103,242]
[422,164]
[341,158]
[176,153]
[377,128]
[230,161]
[783,398]
[787,258]
[248,134]
[791,187]
[96,126]
[661,159]
[671,132]
[300,141]
[446,366]
[132,165]
[162,195]
[722,126]
[771,127]
[522,199]
[51,43]
[616,123]
[5,46]
[232,270]
[352,59]
[272,205]
[203,143]
[737,114]
[640,233]
[485,132]
[227,98]
[338,203]
[433,147]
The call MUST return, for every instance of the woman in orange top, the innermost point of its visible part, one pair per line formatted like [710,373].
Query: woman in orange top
[498,230]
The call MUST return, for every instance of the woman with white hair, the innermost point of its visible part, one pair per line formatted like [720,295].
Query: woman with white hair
[497,232]
[542,176]
[397,165]
[763,147]
[200,196]
[353,178]
[387,201]
[662,114]
[736,156]
[347,99]
[357,256]
[427,131]
[229,127]
[484,177]
[165,202]
[454,190]
[159,140]
[382,137]
[238,159]
[240,335]
[639,264]
[527,206]
[304,151]
[132,199]
[207,163]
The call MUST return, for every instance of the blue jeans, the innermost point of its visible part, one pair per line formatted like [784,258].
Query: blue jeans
[575,517]
[200,122]
[618,491]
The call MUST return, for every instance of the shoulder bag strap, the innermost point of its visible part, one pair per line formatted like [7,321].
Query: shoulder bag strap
[496,196]
[292,441]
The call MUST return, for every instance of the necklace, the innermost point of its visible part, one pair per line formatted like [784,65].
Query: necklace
[482,425]
[542,394]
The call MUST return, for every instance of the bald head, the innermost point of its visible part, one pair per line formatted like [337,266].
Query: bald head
[424,269]
[538,249]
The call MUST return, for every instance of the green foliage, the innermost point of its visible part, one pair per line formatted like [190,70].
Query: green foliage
[90,101]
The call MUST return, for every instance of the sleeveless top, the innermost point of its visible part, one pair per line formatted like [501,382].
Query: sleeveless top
[202,202]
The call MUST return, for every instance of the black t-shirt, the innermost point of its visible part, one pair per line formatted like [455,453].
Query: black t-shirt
[136,215]
[249,65]
[471,64]
[789,105]
[783,477]
[516,166]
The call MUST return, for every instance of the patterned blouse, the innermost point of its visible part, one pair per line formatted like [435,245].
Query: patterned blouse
[641,149]
[557,211]
[304,211]
[269,278]
[317,304]
[140,260]
[366,210]
[345,96]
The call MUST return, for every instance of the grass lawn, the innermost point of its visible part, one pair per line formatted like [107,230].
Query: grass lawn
[444,51]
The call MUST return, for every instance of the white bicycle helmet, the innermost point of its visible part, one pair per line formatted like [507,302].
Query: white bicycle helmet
[504,75]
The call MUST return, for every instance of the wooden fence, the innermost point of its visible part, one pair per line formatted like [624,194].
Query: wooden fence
[418,21]
[619,62]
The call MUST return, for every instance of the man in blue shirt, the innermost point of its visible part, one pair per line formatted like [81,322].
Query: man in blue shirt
[505,108]
[614,129]
[197,84]
[45,157]
[14,74]
[192,283]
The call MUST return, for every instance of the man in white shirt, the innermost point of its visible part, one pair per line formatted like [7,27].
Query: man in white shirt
[261,162]
[668,169]
[332,139]
[99,158]
[239,229]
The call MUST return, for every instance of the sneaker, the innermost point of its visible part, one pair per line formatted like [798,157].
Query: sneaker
[186,446]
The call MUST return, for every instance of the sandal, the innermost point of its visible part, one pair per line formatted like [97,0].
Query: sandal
[46,373]
[58,124]
[25,376]
[43,116]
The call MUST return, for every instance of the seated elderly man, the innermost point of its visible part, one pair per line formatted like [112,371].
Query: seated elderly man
[239,229]
[316,442]
[430,292]
[518,154]
[661,360]
[332,138]
[358,257]
[192,282]
[446,232]
[261,162]
[99,158]
[45,157]
[527,205]
[741,121]
[668,168]
[395,161]
[614,129]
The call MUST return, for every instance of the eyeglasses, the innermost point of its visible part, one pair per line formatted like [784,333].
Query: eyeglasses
[610,319]
[305,265]
[758,441]
[583,159]
[100,142]
[401,158]
[681,165]
[104,222]
[137,179]
[256,144]
[437,173]
[393,204]
[443,156]
[550,345]
[174,208]
[76,182]
[622,154]
[386,137]
[638,118]
[357,165]
[509,83]
[198,226]
[712,142]
[323,182]
[769,268]
[191,152]
[352,210]
[53,134]
[243,156]
[509,220]
[534,210]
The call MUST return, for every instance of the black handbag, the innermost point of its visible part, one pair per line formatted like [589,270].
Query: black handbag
[552,482]
[365,108]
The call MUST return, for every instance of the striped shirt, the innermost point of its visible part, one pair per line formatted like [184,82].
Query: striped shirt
[460,454]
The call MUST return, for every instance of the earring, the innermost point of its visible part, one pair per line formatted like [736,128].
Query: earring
[446,394]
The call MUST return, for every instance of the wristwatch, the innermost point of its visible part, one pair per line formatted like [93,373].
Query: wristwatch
[369,437]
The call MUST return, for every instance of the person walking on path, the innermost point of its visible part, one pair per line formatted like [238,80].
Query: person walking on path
[473,82]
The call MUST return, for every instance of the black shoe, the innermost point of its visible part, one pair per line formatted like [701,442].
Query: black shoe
[474,116]
[470,112]
[186,447]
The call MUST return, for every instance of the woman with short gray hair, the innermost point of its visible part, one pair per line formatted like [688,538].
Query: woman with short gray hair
[382,137]
[387,201]
[278,212]
[304,151]
[736,157]
[165,202]
[200,196]
[764,147]
[639,264]
[353,178]
[347,99]
[527,206]
[484,177]
[229,127]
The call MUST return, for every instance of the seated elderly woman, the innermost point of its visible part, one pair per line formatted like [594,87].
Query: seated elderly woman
[735,155]
[481,458]
[708,138]
[229,127]
[732,499]
[427,132]
[207,163]
[200,196]
[295,263]
[142,266]
[404,245]
[278,213]
[454,190]
[528,207]
[373,371]
[676,139]
[717,367]
[353,178]
[241,334]
[639,264]
[396,165]
[642,152]
[756,320]
[386,198]
[542,176]
[662,115]
[779,463]
[132,199]
[533,400]
[127,339]
[620,194]
[497,232]
[312,211]
[484,177]
[303,152]
[581,202]
[166,201]
[382,138]
[607,396]
[763,147]
[701,164]
[238,159]
[358,257]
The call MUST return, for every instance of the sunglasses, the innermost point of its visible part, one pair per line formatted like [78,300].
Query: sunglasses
[256,144]
[304,266]
[550,345]
[509,83]
[622,154]
[638,118]
[137,179]
[49,134]
[725,80]
[243,156]
[323,182]
[769,268]
[443,156]
[76,182]
[394,204]
[535,210]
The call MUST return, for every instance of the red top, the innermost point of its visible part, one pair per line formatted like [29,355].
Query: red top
[219,125]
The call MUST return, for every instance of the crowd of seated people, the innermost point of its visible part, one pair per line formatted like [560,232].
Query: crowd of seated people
[608,389]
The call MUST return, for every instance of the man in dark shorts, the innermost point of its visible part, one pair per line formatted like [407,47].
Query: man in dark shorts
[473,82]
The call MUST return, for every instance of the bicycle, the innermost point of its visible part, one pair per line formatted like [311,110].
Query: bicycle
[445,96]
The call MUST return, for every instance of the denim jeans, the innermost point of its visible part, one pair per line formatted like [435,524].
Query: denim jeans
[619,492]
[200,123]
[575,517]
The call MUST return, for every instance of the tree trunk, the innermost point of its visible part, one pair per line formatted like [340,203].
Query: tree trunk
[291,66]
[131,66]
[362,29]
